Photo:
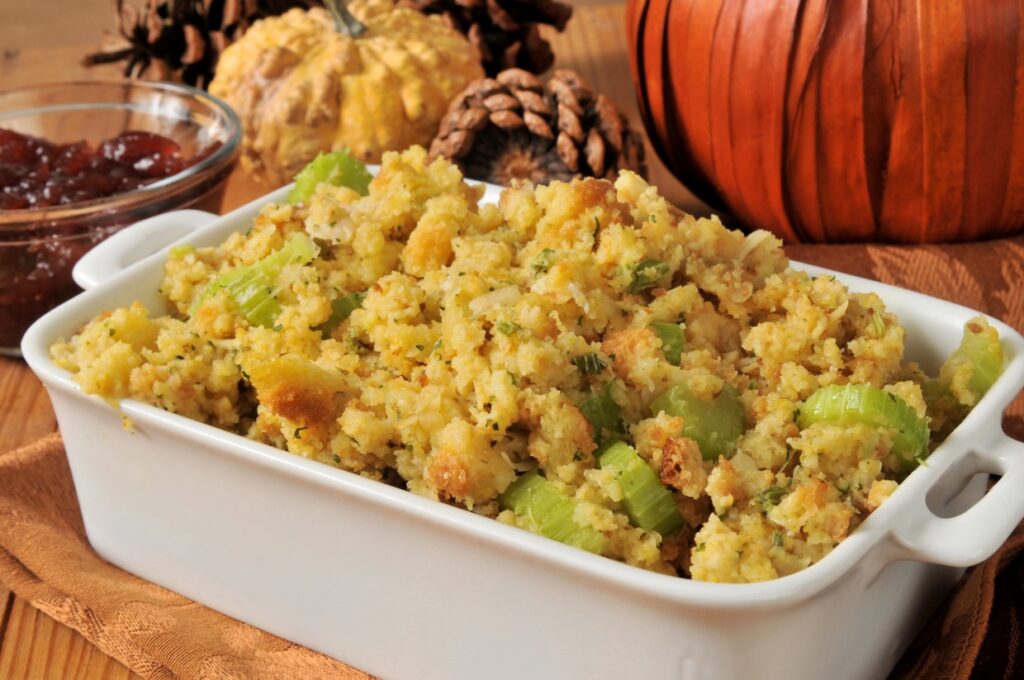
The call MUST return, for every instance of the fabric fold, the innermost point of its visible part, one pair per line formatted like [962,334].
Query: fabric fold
[46,559]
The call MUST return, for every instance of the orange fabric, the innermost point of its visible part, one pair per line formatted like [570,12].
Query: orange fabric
[45,558]
[977,633]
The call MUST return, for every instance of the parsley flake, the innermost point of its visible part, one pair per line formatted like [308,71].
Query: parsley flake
[543,261]
[769,498]
[509,327]
[589,363]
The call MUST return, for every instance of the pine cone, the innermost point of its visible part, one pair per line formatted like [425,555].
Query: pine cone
[181,40]
[513,127]
[504,31]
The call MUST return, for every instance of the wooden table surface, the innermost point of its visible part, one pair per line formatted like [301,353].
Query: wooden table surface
[43,41]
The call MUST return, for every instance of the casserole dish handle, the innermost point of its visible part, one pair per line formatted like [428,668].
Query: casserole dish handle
[974,535]
[136,242]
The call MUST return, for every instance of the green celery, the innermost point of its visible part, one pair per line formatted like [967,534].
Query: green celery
[181,250]
[672,341]
[337,168]
[715,424]
[251,287]
[547,511]
[603,413]
[648,503]
[341,309]
[647,274]
[983,349]
[252,292]
[848,404]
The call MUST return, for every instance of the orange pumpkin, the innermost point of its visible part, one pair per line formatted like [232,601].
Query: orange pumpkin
[850,120]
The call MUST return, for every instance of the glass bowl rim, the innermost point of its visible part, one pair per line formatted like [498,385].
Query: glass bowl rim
[167,187]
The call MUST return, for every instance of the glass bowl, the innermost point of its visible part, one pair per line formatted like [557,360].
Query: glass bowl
[39,246]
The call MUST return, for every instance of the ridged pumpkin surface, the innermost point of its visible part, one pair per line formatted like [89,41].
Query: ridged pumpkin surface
[859,120]
[302,87]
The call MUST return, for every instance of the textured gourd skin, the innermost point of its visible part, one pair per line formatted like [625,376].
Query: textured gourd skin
[862,120]
[301,87]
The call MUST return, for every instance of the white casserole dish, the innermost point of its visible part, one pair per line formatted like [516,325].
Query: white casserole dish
[403,587]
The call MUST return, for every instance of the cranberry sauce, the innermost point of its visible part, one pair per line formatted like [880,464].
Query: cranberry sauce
[37,256]
[37,173]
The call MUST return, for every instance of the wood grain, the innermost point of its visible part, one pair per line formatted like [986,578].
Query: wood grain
[26,408]
[6,599]
[36,646]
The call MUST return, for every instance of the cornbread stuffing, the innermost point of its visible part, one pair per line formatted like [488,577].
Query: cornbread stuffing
[458,350]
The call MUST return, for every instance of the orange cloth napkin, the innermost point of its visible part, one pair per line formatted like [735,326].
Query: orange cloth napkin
[45,558]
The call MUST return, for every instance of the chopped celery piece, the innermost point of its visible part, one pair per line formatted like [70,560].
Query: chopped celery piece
[252,292]
[982,348]
[181,250]
[648,503]
[945,412]
[672,341]
[934,391]
[715,424]
[298,249]
[337,168]
[603,413]
[547,511]
[251,287]
[878,323]
[847,404]
[341,309]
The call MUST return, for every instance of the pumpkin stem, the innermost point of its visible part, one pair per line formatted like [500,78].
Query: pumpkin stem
[344,21]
